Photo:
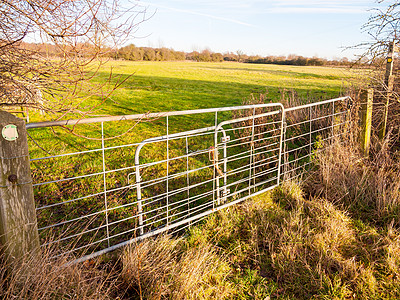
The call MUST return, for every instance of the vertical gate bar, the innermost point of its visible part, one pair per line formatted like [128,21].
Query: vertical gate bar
[310,145]
[285,156]
[280,145]
[187,175]
[225,170]
[139,197]
[167,171]
[252,153]
[214,171]
[216,165]
[105,183]
[333,118]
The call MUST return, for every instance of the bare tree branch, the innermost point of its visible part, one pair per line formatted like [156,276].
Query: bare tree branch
[383,29]
[75,38]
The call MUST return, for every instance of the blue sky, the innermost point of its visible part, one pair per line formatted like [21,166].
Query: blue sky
[269,27]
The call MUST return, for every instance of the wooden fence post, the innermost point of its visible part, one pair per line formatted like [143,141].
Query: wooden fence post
[366,120]
[389,81]
[18,223]
[389,93]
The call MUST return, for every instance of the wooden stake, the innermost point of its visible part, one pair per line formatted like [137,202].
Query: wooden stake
[389,92]
[389,80]
[366,120]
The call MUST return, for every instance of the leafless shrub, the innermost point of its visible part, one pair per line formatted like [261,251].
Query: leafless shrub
[382,28]
[76,38]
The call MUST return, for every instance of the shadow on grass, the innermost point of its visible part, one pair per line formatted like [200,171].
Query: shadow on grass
[141,94]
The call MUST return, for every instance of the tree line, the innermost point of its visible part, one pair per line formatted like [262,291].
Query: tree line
[131,52]
[134,53]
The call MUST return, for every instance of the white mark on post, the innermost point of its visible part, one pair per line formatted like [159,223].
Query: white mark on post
[10,132]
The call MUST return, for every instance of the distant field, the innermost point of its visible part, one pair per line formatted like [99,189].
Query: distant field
[166,86]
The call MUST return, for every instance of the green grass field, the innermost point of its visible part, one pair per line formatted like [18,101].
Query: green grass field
[167,86]
[171,86]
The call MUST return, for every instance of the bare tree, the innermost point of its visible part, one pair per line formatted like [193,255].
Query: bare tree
[240,55]
[73,41]
[383,28]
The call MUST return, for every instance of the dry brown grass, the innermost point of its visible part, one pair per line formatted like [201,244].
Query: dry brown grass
[369,188]
[282,245]
[307,248]
[39,277]
[164,268]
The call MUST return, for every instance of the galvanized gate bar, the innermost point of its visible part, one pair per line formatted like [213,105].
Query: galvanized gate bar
[220,127]
[183,187]
[144,116]
[137,162]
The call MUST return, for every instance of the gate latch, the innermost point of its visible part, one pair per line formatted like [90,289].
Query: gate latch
[225,139]
[225,192]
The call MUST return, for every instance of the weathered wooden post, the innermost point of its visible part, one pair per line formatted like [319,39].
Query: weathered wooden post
[366,119]
[389,81]
[18,226]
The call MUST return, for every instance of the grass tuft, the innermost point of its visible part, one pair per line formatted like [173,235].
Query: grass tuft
[369,188]
[40,277]
[164,268]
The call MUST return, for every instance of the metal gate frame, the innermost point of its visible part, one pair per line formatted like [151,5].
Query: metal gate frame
[221,193]
[217,191]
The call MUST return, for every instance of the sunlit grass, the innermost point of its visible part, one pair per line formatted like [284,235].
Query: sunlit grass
[166,86]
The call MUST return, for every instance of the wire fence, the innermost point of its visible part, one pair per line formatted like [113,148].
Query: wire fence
[310,129]
[115,180]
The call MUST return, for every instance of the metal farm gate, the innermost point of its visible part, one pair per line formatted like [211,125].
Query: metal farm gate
[106,182]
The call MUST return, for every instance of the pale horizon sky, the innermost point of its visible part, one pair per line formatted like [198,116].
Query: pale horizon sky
[271,27]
